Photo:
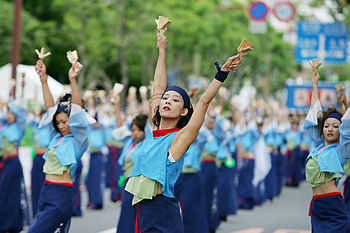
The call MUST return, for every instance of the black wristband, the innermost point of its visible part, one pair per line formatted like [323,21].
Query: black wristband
[220,75]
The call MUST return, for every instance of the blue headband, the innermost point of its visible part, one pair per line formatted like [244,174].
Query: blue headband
[182,92]
[335,115]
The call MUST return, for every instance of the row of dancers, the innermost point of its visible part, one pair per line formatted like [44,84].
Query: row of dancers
[174,156]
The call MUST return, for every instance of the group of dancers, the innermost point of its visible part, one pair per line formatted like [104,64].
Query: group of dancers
[176,162]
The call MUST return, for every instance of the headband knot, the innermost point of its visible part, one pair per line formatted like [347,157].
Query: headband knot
[64,107]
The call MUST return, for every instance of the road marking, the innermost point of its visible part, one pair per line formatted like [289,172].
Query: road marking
[250,230]
[291,231]
[112,230]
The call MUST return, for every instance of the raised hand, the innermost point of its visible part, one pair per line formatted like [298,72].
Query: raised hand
[161,41]
[40,68]
[315,78]
[74,70]
[232,63]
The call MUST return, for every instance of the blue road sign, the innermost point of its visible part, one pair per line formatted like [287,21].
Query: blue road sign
[258,11]
[328,42]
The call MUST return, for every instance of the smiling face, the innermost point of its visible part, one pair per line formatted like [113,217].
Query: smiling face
[331,131]
[172,105]
[62,123]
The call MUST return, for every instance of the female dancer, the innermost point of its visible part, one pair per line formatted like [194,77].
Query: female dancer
[331,135]
[69,140]
[160,161]
[132,147]
[209,171]
[12,188]
[41,142]
[93,181]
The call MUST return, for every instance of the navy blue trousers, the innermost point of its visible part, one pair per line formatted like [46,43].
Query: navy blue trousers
[209,175]
[94,182]
[127,217]
[271,179]
[55,209]
[76,191]
[37,180]
[246,190]
[294,167]
[347,194]
[226,201]
[160,215]
[113,171]
[192,203]
[12,193]
[329,214]
[280,172]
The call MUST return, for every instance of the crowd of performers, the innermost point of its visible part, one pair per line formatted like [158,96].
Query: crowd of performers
[168,152]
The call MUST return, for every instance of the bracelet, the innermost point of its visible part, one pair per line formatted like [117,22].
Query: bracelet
[220,75]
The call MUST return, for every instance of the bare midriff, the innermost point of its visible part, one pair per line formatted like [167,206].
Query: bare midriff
[328,187]
[65,178]
[159,191]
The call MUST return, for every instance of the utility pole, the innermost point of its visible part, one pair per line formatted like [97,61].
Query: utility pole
[15,44]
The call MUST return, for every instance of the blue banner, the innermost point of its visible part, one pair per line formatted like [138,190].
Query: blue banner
[299,96]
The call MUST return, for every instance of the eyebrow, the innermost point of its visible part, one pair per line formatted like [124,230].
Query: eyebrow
[175,95]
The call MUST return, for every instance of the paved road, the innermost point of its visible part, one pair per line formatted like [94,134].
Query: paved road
[285,214]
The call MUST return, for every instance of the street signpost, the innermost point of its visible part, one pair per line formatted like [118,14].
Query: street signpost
[326,41]
[284,11]
[258,11]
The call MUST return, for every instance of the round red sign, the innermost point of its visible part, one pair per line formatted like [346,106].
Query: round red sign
[284,11]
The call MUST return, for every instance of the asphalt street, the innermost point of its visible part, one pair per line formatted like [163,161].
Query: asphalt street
[287,213]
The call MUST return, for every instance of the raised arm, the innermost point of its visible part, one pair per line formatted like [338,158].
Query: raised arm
[118,116]
[41,70]
[73,74]
[315,79]
[160,81]
[187,135]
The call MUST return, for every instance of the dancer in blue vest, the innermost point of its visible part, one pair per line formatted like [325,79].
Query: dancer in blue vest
[209,147]
[41,142]
[160,161]
[12,188]
[271,143]
[225,183]
[132,139]
[246,190]
[331,135]
[294,138]
[113,168]
[68,123]
[94,184]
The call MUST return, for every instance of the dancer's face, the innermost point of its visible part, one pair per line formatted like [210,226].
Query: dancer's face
[62,120]
[172,105]
[331,130]
[10,117]
[210,122]
[136,133]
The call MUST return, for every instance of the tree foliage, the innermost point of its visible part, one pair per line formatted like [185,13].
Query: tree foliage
[116,40]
